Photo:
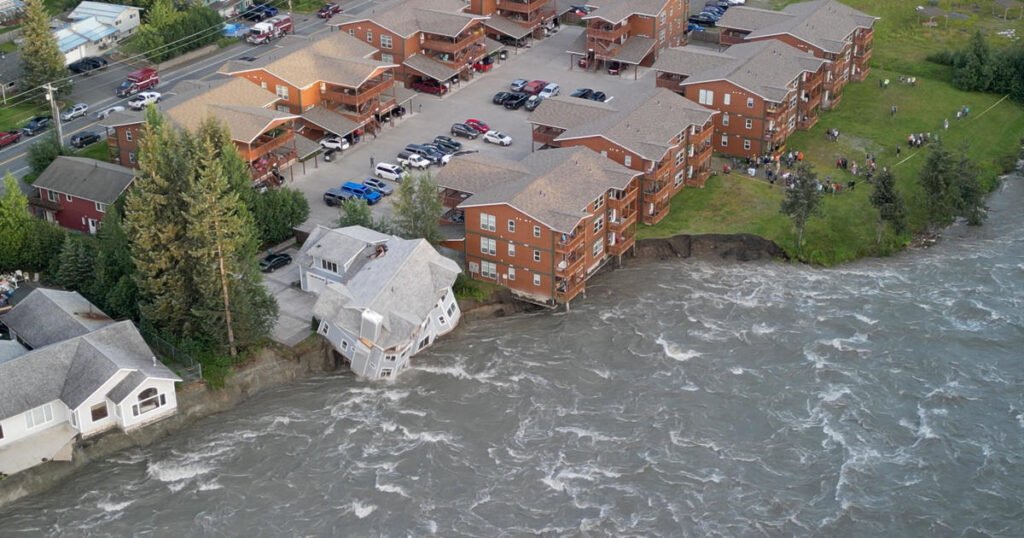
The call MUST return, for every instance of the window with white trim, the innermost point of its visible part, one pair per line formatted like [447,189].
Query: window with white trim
[487,222]
[387,58]
[725,120]
[131,157]
[511,273]
[68,197]
[536,279]
[102,208]
[750,102]
[352,32]
[512,250]
[599,203]
[281,91]
[128,135]
[385,41]
[369,36]
[678,178]
[536,255]
[536,231]
[39,416]
[488,270]
[680,155]
[746,143]
[511,225]
[598,247]
[727,99]
[329,266]
[725,140]
[627,160]
[748,124]
[706,97]
[598,223]
[488,246]
[52,196]
[263,84]
[386,372]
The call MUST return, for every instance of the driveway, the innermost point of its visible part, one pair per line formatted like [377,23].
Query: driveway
[295,307]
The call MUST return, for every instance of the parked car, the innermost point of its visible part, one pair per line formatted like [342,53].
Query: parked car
[335,196]
[430,87]
[512,41]
[464,131]
[412,160]
[76,110]
[438,148]
[85,138]
[702,19]
[480,126]
[254,13]
[498,137]
[273,262]
[614,68]
[434,156]
[362,192]
[9,137]
[328,11]
[108,111]
[500,97]
[533,102]
[582,93]
[390,171]
[599,97]
[550,90]
[446,142]
[518,84]
[535,86]
[383,188]
[87,65]
[334,142]
[517,101]
[36,125]
[143,99]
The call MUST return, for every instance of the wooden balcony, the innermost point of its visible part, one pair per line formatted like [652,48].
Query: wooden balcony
[266,143]
[546,135]
[670,81]
[806,121]
[36,201]
[527,20]
[516,6]
[656,192]
[266,169]
[571,263]
[604,32]
[660,212]
[567,290]
[623,242]
[356,97]
[448,45]
[569,243]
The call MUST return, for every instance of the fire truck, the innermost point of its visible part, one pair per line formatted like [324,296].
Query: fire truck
[270,29]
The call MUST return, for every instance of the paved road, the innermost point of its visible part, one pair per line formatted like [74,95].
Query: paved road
[98,90]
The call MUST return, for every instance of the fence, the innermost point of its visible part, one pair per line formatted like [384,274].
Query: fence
[188,368]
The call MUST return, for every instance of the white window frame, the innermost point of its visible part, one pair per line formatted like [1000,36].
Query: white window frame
[706,97]
[101,207]
[724,141]
[369,36]
[725,120]
[386,41]
[748,124]
[511,226]
[750,102]
[536,231]
[281,91]
[678,178]
[68,197]
[627,160]
[128,135]
[746,143]
[511,250]
[39,416]
[599,202]
[536,255]
[598,247]
[488,246]
[599,224]
[726,98]
[387,58]
[489,270]
[487,222]
[131,157]
[53,196]
[511,273]
[536,279]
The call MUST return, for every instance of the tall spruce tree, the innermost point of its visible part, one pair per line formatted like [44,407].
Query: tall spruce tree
[966,192]
[156,226]
[15,222]
[41,57]
[889,203]
[232,307]
[802,202]
[115,272]
[77,265]
[934,178]
[418,209]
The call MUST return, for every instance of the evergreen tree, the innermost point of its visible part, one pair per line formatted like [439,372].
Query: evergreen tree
[232,307]
[974,67]
[418,210]
[41,57]
[44,152]
[889,203]
[966,192]
[114,284]
[156,226]
[934,179]
[77,262]
[803,201]
[15,222]
[42,252]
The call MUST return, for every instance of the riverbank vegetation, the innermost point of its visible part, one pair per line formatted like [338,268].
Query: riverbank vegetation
[989,136]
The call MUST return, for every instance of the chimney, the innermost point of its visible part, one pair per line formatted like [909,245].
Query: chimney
[369,327]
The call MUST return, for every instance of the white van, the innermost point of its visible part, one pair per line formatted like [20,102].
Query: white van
[390,171]
[550,90]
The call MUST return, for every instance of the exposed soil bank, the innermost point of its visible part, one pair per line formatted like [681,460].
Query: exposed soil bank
[733,247]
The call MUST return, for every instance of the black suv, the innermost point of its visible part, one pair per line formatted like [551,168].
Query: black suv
[447,143]
[500,97]
[87,138]
[87,64]
[464,131]
[430,154]
[517,101]
[36,125]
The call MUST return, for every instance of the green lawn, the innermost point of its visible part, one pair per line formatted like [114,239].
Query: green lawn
[99,151]
[15,116]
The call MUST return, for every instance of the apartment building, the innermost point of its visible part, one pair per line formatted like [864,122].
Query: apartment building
[515,19]
[432,41]
[828,29]
[628,32]
[263,135]
[764,91]
[332,81]
[659,134]
[542,226]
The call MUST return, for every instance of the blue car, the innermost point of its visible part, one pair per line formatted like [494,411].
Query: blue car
[358,190]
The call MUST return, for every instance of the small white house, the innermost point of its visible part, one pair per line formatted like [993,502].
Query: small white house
[124,19]
[96,27]
[381,299]
[72,372]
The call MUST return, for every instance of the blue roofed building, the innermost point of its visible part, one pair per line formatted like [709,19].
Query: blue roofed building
[95,27]
[125,19]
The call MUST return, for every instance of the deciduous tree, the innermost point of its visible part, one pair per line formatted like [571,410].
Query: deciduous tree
[966,192]
[41,57]
[14,224]
[934,179]
[44,152]
[803,201]
[889,203]
[418,210]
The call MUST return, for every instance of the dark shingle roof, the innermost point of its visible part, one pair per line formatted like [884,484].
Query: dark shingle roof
[823,23]
[47,316]
[442,17]
[86,178]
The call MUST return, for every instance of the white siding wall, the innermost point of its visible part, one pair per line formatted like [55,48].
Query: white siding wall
[85,422]
[129,21]
[16,427]
[130,421]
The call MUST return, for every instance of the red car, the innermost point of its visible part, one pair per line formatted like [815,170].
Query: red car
[478,125]
[328,11]
[431,87]
[8,138]
[534,87]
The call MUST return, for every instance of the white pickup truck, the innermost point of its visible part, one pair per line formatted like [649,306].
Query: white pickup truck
[412,160]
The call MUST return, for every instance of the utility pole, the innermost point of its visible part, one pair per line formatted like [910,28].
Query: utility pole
[55,112]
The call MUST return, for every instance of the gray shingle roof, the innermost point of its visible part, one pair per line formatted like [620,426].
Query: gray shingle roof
[635,49]
[48,316]
[766,68]
[72,370]
[507,26]
[615,11]
[823,23]
[330,121]
[430,67]
[476,173]
[558,187]
[403,285]
[442,17]
[646,123]
[9,349]
[568,112]
[126,386]
[86,178]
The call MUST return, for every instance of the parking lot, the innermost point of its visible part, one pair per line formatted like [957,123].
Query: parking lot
[430,116]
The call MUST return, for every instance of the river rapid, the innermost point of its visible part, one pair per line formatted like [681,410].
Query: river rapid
[682,398]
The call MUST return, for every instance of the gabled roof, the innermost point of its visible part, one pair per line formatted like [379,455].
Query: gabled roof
[506,26]
[646,124]
[441,17]
[86,178]
[330,121]
[615,11]
[402,285]
[106,13]
[302,61]
[823,23]
[556,189]
[432,68]
[78,33]
[765,68]
[47,316]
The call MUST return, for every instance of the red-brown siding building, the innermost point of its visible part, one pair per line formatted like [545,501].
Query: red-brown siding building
[661,135]
[332,81]
[826,28]
[763,90]
[630,32]
[432,40]
[542,226]
[515,18]
[75,192]
[264,136]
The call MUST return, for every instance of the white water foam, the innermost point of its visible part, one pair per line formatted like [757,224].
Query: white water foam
[109,506]
[675,352]
[391,488]
[583,433]
[362,510]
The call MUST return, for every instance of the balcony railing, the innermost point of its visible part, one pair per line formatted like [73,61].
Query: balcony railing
[439,44]
[527,20]
[44,203]
[571,263]
[521,7]
[266,144]
[670,81]
[546,135]
[604,33]
[660,211]
[565,290]
[569,243]
[366,92]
